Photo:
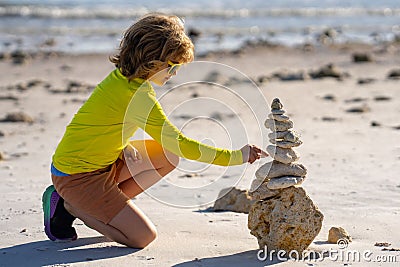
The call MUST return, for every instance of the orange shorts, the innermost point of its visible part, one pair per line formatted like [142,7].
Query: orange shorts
[95,193]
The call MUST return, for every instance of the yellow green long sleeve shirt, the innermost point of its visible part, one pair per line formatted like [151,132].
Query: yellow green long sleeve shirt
[102,127]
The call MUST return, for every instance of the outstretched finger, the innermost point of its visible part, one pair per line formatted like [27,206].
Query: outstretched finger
[264,154]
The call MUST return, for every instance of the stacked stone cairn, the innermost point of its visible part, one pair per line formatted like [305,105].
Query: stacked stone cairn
[283,217]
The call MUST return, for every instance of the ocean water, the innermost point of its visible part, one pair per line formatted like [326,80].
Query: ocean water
[97,25]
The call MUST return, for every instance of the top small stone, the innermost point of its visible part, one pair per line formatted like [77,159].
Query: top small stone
[276,104]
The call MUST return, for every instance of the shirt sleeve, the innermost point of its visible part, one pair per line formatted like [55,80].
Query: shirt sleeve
[146,112]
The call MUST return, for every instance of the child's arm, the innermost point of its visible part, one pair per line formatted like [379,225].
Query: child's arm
[146,112]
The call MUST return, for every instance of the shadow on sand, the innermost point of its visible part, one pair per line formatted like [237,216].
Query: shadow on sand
[46,252]
[246,258]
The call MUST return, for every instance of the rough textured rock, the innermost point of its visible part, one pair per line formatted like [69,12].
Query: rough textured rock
[336,233]
[278,125]
[284,155]
[284,182]
[275,168]
[233,199]
[288,221]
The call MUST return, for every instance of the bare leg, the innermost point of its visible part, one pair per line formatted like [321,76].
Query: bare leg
[156,163]
[131,227]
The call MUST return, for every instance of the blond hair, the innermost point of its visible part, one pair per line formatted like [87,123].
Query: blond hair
[150,43]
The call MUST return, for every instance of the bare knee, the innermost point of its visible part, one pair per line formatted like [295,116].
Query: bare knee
[147,236]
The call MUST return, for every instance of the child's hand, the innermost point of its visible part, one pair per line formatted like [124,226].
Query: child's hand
[251,153]
[132,154]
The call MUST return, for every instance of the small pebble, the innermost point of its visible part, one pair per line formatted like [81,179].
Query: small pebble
[362,57]
[329,97]
[361,109]
[355,100]
[382,244]
[382,98]
[394,74]
[375,124]
[329,119]
[365,80]
[391,249]
[17,117]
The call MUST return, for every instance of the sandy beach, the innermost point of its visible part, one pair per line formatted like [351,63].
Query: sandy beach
[350,127]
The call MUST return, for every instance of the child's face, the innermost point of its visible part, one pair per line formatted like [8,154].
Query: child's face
[162,76]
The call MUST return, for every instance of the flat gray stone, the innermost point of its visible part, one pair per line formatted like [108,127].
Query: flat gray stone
[277,135]
[256,183]
[278,111]
[278,117]
[284,155]
[285,144]
[275,168]
[278,126]
[262,192]
[290,136]
[284,182]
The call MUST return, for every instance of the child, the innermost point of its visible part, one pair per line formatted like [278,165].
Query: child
[91,179]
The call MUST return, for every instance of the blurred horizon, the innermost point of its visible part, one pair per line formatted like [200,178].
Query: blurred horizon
[96,26]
